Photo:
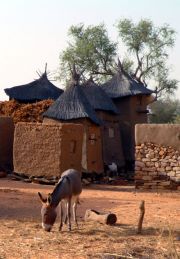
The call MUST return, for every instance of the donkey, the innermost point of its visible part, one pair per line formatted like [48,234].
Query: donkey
[67,190]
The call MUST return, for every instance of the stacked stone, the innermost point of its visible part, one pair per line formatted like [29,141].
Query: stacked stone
[157,167]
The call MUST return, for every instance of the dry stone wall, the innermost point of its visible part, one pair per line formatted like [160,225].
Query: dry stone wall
[157,166]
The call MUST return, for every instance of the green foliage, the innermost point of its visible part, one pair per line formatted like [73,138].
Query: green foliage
[91,50]
[95,54]
[165,111]
[177,119]
[148,46]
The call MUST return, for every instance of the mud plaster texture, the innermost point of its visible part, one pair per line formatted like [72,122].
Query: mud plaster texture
[47,150]
[161,134]
[92,157]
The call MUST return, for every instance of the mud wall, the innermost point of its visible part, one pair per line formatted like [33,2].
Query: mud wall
[92,160]
[47,150]
[132,110]
[162,134]
[111,139]
[6,143]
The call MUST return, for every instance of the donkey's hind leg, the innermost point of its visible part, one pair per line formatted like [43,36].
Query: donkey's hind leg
[69,213]
[74,212]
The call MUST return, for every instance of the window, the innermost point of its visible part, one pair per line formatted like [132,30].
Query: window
[92,138]
[72,146]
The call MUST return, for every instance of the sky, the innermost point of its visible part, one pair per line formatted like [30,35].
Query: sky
[34,32]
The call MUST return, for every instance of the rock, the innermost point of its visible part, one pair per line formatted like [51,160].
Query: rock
[157,167]
[139,164]
[85,182]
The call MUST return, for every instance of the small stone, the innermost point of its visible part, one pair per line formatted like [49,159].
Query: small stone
[171,173]
[177,168]
[168,168]
[161,153]
[139,164]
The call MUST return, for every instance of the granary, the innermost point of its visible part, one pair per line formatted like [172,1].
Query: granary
[110,132]
[47,150]
[131,98]
[37,90]
[73,107]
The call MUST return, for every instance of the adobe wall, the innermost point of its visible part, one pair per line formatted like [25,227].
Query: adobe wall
[46,150]
[92,160]
[6,143]
[111,139]
[71,146]
[162,134]
[132,110]
[157,154]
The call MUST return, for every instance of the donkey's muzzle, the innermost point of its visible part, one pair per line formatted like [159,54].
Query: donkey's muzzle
[46,227]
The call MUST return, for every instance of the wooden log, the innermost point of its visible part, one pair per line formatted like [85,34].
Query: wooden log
[43,181]
[104,218]
[16,177]
[141,217]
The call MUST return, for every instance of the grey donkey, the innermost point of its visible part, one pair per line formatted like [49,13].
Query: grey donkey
[67,190]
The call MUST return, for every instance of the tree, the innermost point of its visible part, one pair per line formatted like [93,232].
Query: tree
[165,111]
[146,57]
[91,50]
[148,45]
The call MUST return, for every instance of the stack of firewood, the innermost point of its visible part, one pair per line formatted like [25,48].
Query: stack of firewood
[157,167]
[21,112]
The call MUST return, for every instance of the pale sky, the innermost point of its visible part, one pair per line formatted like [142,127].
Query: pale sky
[33,32]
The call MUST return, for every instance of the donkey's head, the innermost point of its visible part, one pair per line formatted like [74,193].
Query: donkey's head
[48,212]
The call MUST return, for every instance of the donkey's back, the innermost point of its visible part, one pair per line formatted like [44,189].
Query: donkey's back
[74,178]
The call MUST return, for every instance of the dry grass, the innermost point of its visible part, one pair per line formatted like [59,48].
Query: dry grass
[21,235]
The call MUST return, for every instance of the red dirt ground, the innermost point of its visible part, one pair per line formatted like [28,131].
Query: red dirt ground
[21,235]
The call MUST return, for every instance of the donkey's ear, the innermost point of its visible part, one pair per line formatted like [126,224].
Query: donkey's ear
[49,199]
[43,200]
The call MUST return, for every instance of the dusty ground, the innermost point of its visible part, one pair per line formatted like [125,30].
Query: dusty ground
[21,235]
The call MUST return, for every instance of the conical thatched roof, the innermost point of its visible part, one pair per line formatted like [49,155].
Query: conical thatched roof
[122,84]
[40,89]
[72,104]
[97,97]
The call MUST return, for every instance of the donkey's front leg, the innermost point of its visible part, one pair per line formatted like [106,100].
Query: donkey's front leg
[69,213]
[61,216]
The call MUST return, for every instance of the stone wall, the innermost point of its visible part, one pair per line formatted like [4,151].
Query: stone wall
[157,165]
[161,134]
[47,150]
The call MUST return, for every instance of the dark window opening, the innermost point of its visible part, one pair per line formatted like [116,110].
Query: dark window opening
[111,132]
[72,146]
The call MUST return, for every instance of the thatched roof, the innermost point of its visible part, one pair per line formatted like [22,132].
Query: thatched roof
[98,98]
[122,84]
[72,104]
[40,89]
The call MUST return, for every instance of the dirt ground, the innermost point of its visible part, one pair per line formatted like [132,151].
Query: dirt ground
[21,235]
